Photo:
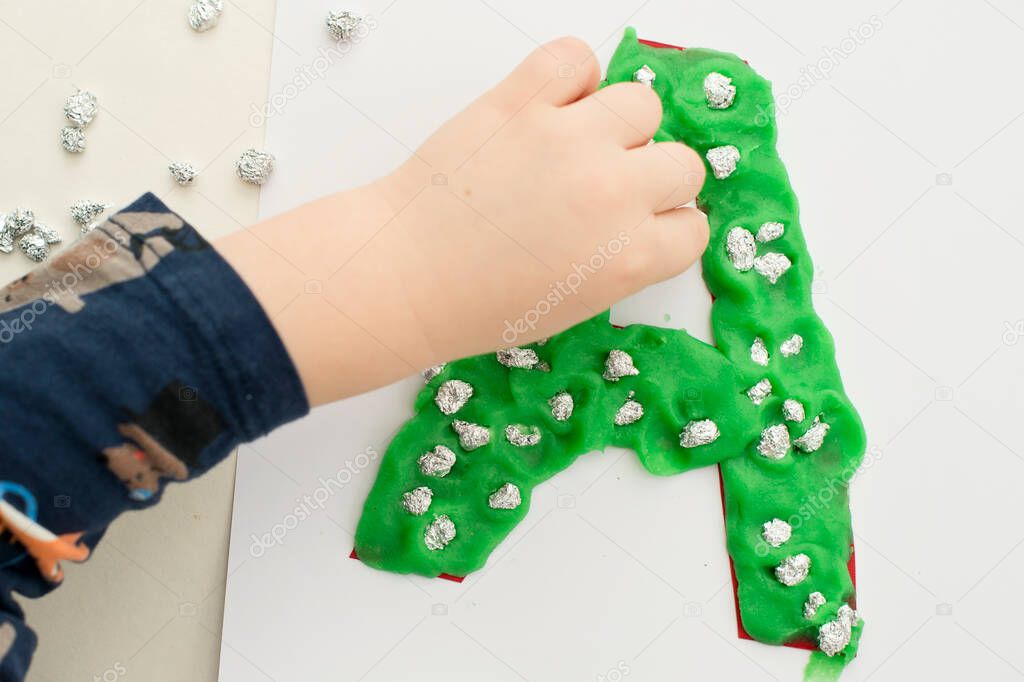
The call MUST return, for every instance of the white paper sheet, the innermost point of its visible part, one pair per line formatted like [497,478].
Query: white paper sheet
[617,574]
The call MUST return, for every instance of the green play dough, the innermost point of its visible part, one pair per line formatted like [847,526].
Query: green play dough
[822,668]
[680,380]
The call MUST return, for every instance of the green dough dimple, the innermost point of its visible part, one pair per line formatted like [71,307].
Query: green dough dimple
[680,380]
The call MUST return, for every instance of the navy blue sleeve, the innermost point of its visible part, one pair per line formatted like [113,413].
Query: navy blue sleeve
[134,357]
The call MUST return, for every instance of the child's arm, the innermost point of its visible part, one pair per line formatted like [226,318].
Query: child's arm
[537,207]
[137,355]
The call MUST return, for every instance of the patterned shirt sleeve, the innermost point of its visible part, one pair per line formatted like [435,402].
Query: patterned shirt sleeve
[133,357]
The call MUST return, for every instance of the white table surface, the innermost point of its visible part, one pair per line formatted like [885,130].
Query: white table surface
[148,603]
[903,159]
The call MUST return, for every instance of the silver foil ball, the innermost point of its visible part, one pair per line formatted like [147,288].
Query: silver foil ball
[520,358]
[769,232]
[774,442]
[792,346]
[439,533]
[431,372]
[438,462]
[813,437]
[254,166]
[630,412]
[834,635]
[49,235]
[182,172]
[343,25]
[452,395]
[6,241]
[815,600]
[19,221]
[699,432]
[84,212]
[72,139]
[793,570]
[204,14]
[522,436]
[505,497]
[417,501]
[719,90]
[759,391]
[793,410]
[34,246]
[561,405]
[80,108]
[619,364]
[772,266]
[759,352]
[471,436]
[740,246]
[723,160]
[645,75]
[776,532]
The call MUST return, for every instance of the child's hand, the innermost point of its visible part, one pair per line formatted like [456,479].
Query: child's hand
[537,207]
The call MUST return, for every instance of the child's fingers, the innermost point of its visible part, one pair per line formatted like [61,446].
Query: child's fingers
[673,240]
[558,73]
[670,174]
[628,113]
[577,72]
